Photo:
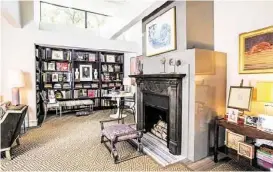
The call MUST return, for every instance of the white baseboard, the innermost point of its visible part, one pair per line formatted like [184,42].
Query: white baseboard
[32,123]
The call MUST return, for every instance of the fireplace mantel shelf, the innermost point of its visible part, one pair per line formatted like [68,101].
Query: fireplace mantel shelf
[167,76]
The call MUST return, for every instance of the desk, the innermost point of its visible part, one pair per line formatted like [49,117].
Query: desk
[240,129]
[118,96]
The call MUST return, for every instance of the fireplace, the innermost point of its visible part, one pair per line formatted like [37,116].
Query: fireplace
[159,99]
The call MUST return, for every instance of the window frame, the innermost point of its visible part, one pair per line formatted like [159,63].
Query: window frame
[85,11]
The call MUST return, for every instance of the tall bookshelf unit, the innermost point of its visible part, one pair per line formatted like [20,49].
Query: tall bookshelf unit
[77,74]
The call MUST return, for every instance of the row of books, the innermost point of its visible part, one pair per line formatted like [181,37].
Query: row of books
[82,93]
[84,56]
[88,85]
[110,68]
[58,86]
[49,53]
[106,102]
[56,77]
[111,77]
[110,85]
[63,94]
[110,58]
[56,66]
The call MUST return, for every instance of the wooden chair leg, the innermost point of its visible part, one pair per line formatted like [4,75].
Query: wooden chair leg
[18,141]
[139,145]
[8,155]
[114,152]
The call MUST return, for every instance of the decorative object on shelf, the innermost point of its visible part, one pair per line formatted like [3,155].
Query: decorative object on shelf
[256,46]
[57,55]
[264,123]
[245,150]
[55,77]
[251,121]
[15,81]
[104,68]
[77,74]
[86,72]
[265,95]
[161,34]
[233,115]
[117,76]
[139,65]
[240,97]
[110,68]
[95,74]
[51,66]
[110,58]
[172,63]
[163,61]
[178,63]
[232,139]
[58,94]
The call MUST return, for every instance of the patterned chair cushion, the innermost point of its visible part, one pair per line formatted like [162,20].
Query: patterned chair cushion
[111,131]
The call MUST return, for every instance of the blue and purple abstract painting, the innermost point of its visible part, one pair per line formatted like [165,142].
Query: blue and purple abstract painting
[159,35]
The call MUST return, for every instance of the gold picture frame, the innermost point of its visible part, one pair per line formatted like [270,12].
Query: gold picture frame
[256,51]
[232,139]
[245,150]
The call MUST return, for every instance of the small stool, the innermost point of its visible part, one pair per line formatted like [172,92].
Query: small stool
[117,133]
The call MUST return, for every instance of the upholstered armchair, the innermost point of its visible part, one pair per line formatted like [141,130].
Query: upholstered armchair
[11,123]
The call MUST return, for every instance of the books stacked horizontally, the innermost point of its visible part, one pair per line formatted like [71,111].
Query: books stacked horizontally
[84,93]
[265,156]
[160,130]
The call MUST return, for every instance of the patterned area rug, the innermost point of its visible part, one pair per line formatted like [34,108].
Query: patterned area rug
[72,143]
[233,165]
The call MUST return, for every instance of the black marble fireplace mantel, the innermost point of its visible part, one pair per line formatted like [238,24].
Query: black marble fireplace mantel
[166,76]
[162,91]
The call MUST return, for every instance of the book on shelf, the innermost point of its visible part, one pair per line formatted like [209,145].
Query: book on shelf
[82,93]
[57,86]
[92,93]
[86,85]
[110,68]
[67,55]
[94,85]
[66,77]
[62,66]
[48,85]
[117,68]
[78,85]
[110,58]
[104,68]
[55,77]
[48,53]
[91,57]
[66,86]
[51,66]
[102,58]
[44,65]
[76,93]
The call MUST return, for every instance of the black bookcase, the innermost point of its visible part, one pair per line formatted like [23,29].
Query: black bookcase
[77,74]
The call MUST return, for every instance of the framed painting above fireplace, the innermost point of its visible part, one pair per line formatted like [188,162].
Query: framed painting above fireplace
[161,34]
[256,51]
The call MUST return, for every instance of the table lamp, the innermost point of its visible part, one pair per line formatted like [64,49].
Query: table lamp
[127,84]
[265,93]
[16,81]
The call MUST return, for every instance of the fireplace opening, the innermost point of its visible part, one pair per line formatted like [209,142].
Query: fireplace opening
[156,122]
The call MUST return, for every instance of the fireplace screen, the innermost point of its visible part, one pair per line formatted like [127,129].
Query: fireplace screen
[156,122]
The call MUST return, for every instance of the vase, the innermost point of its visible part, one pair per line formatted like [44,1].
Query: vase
[95,74]
[77,74]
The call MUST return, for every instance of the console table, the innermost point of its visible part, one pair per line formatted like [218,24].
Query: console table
[247,131]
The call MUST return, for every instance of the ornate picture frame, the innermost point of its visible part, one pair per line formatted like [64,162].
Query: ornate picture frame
[86,72]
[256,51]
[240,97]
[232,139]
[245,150]
[161,33]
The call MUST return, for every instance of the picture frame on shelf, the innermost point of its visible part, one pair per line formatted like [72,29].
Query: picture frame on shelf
[85,72]
[233,115]
[156,42]
[110,58]
[92,57]
[251,121]
[240,97]
[232,139]
[51,66]
[264,123]
[55,77]
[245,150]
[110,68]
[104,68]
[62,66]
[256,46]
[57,55]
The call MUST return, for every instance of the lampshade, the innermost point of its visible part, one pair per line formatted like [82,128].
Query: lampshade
[265,91]
[127,81]
[15,79]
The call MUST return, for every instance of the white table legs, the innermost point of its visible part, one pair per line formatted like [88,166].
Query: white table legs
[116,115]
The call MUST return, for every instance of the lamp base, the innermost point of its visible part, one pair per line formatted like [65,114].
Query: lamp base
[15,100]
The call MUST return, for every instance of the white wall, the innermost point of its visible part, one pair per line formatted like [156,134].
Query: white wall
[17,51]
[231,19]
